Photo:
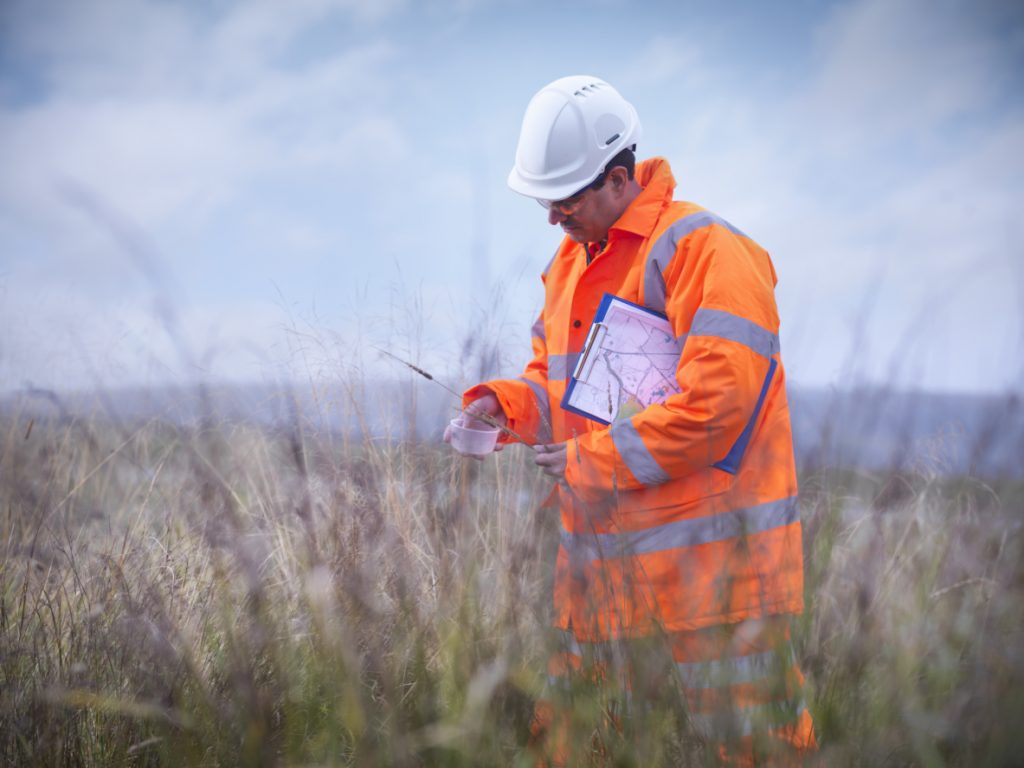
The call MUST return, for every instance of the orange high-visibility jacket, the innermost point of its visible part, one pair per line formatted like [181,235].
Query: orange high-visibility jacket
[684,515]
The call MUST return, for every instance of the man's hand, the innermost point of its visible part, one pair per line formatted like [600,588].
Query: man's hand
[551,458]
[489,405]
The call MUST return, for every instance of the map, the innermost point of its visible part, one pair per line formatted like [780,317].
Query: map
[628,362]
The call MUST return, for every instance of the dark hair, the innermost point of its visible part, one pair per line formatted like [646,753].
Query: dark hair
[625,158]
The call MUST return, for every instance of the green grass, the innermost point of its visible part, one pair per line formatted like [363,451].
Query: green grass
[228,595]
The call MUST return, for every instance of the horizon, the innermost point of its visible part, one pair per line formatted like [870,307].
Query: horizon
[980,435]
[301,381]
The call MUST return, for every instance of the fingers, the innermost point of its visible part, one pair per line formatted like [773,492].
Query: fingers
[551,459]
[487,405]
[547,451]
[483,405]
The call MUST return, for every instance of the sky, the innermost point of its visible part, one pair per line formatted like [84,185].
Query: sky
[256,191]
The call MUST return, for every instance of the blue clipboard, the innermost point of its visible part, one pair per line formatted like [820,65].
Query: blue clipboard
[592,343]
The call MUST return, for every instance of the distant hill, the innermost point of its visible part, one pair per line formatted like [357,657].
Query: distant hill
[875,428]
[867,428]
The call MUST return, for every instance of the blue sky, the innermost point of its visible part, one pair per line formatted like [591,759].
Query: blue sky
[251,190]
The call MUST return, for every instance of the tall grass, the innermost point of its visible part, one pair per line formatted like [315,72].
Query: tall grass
[232,595]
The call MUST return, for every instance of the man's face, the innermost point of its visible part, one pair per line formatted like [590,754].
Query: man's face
[586,216]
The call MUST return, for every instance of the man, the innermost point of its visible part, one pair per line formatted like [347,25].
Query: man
[680,523]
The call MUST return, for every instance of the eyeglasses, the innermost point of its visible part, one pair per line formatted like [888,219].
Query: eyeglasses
[569,205]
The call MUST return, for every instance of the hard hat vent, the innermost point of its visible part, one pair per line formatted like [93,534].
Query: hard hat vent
[587,89]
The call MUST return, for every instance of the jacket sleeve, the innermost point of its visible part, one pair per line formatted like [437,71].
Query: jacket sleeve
[719,297]
[524,399]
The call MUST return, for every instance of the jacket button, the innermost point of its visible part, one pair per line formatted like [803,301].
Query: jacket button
[576,324]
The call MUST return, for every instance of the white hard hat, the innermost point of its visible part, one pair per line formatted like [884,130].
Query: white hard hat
[571,129]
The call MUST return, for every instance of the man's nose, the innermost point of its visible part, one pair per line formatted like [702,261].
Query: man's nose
[555,216]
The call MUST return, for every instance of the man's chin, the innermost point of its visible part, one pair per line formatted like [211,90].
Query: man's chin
[574,234]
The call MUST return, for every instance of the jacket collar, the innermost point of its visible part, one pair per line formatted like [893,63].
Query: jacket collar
[655,176]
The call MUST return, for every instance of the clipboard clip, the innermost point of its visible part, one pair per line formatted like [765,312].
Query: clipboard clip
[584,366]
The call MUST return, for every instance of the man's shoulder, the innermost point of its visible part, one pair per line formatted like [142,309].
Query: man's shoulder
[679,209]
[564,253]
[681,218]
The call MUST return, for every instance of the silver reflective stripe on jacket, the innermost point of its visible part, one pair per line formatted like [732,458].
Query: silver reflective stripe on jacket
[543,408]
[664,248]
[726,325]
[537,331]
[560,367]
[634,453]
[743,721]
[734,670]
[683,533]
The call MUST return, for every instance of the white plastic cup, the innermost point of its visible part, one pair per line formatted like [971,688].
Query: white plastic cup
[473,441]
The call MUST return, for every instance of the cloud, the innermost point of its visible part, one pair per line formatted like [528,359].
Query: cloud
[94,48]
[57,335]
[884,179]
[152,155]
[120,48]
[179,121]
[877,156]
[176,152]
[889,70]
[664,61]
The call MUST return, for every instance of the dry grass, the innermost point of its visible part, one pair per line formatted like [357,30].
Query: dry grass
[227,595]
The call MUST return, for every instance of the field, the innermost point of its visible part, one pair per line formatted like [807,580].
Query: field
[225,594]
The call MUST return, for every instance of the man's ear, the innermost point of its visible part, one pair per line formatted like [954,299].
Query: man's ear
[618,178]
